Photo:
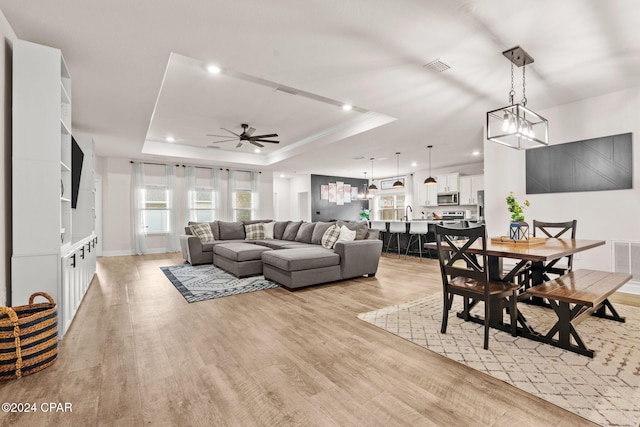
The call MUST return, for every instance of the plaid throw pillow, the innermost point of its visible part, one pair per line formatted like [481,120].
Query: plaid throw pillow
[203,231]
[254,231]
[330,237]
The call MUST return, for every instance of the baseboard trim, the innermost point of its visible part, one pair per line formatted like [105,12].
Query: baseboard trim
[128,252]
[631,288]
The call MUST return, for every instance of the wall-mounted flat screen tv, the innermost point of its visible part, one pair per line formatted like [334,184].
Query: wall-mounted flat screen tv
[77,157]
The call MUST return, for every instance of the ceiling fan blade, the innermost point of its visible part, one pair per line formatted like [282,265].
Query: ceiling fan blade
[212,146]
[266,140]
[231,132]
[224,140]
[249,132]
[221,136]
[264,136]
[256,144]
[239,144]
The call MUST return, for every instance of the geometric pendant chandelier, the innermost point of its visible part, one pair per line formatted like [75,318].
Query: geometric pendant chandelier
[515,125]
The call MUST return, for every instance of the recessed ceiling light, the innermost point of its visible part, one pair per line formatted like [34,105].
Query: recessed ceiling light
[257,150]
[476,153]
[213,69]
[281,175]
[170,139]
[414,164]
[347,107]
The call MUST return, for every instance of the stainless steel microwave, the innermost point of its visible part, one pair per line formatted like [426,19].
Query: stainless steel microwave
[448,199]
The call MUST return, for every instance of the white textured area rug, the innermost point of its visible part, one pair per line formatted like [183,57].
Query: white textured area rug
[605,389]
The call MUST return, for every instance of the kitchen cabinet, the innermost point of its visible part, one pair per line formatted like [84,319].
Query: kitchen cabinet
[448,183]
[428,195]
[469,187]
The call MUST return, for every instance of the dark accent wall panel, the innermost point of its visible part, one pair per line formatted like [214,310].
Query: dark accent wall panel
[322,210]
[597,164]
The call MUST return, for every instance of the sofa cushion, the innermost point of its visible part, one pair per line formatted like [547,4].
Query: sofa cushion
[319,230]
[254,231]
[305,232]
[203,231]
[240,251]
[268,229]
[214,228]
[360,228]
[330,237]
[346,235]
[291,231]
[301,259]
[255,221]
[278,229]
[231,230]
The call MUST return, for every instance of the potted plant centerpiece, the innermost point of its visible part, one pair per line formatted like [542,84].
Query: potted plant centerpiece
[519,229]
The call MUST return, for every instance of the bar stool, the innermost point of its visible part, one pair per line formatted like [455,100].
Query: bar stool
[381,226]
[417,229]
[396,228]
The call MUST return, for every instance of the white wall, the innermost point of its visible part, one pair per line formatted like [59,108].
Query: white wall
[607,215]
[8,37]
[116,202]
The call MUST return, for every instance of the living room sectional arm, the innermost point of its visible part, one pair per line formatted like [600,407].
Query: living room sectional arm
[192,250]
[359,257]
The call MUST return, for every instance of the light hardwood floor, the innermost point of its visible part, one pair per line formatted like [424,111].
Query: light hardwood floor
[138,354]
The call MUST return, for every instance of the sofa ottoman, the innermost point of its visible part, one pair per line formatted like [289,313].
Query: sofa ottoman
[296,268]
[239,259]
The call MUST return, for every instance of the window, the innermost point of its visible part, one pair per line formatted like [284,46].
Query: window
[243,205]
[203,205]
[156,209]
[391,207]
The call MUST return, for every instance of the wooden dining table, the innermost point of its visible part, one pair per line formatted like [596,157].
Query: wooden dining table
[540,255]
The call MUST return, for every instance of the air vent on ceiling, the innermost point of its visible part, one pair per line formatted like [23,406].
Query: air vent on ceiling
[437,65]
[358,158]
[286,90]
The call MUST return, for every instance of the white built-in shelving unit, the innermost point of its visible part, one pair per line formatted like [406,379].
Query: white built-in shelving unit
[44,230]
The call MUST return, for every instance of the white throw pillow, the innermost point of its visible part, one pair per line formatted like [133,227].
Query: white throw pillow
[268,229]
[346,235]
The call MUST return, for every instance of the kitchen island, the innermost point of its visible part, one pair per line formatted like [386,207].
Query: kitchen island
[405,237]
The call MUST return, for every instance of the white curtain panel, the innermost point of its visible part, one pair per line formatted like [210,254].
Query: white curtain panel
[216,184]
[173,244]
[138,236]
[189,200]
[231,194]
[255,193]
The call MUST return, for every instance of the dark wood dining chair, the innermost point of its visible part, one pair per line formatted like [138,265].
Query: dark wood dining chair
[470,278]
[556,230]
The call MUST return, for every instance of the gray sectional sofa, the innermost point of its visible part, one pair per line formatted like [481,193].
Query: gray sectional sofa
[294,257]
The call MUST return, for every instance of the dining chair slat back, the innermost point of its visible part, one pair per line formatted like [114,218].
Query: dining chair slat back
[557,230]
[466,274]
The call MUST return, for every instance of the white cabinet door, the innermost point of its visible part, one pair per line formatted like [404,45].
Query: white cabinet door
[431,193]
[448,183]
[466,190]
[469,187]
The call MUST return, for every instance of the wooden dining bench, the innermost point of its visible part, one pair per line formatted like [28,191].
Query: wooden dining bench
[574,297]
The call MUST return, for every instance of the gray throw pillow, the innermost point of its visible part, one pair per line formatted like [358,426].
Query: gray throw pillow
[231,230]
[361,228]
[278,229]
[305,232]
[291,231]
[319,230]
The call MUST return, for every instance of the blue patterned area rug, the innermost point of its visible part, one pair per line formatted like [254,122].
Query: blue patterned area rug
[203,282]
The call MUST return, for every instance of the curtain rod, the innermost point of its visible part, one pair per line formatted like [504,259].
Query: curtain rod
[197,167]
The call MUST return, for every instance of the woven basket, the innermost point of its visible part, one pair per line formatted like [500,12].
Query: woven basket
[28,338]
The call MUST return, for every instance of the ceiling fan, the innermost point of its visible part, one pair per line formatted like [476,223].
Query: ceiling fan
[248,136]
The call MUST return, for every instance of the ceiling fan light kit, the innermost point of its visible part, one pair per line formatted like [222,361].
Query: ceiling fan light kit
[247,136]
[515,125]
